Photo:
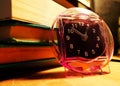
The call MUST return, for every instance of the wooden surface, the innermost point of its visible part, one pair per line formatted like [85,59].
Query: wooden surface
[57,77]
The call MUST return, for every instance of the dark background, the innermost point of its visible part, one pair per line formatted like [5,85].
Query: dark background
[109,11]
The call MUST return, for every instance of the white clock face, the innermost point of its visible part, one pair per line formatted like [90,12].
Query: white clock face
[83,39]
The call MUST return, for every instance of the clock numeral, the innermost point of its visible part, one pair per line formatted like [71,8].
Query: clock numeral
[81,23]
[78,51]
[94,31]
[71,46]
[75,25]
[70,31]
[67,37]
[93,51]
[87,25]
[97,45]
[98,38]
[86,53]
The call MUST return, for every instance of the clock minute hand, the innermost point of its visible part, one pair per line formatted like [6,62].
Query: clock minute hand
[84,36]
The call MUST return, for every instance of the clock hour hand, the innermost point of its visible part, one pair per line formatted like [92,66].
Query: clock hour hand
[84,36]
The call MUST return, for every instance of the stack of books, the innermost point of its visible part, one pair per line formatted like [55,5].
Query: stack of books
[25,30]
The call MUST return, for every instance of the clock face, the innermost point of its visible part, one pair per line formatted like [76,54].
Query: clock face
[82,39]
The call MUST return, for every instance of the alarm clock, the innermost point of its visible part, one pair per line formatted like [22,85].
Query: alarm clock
[84,41]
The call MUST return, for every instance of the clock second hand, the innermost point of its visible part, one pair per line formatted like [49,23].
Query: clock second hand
[84,36]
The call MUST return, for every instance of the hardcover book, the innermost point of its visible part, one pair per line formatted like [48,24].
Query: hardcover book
[35,11]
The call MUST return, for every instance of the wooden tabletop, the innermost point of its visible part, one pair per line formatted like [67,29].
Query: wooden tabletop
[57,77]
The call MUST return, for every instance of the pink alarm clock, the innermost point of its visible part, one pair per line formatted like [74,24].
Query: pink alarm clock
[85,42]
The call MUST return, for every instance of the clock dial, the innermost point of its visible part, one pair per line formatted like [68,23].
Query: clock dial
[83,39]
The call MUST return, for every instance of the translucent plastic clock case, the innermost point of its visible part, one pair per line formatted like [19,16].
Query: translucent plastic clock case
[84,41]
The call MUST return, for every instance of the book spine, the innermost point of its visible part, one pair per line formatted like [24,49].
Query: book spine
[15,54]
[25,31]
